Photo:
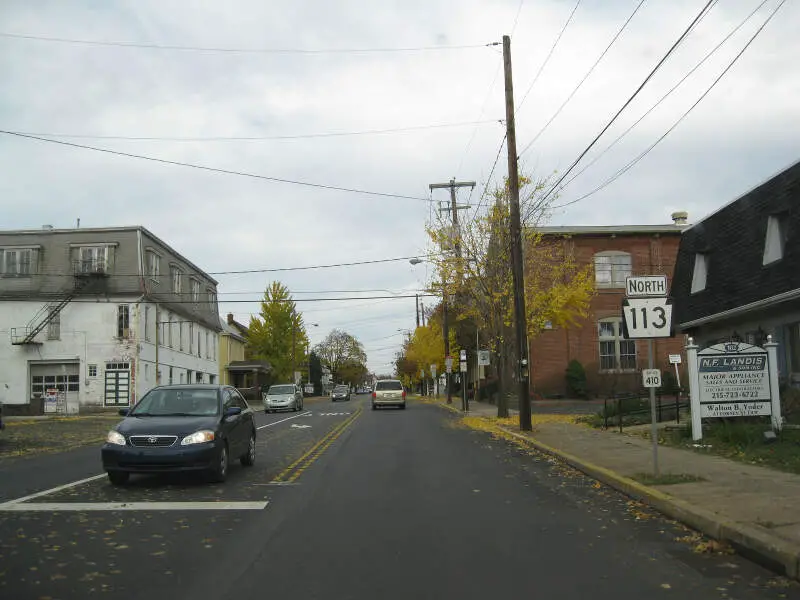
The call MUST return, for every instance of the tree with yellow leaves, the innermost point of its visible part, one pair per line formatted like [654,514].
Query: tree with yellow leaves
[474,268]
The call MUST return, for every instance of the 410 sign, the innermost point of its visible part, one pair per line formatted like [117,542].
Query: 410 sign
[644,318]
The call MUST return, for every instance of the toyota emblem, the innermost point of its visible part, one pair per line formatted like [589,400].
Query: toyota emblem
[152,439]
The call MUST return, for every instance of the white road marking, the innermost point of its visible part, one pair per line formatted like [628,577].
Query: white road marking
[108,506]
[333,414]
[66,486]
[286,419]
[295,425]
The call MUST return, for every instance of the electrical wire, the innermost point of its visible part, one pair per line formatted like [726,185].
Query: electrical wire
[251,138]
[708,55]
[683,36]
[583,80]
[85,42]
[547,58]
[257,301]
[630,165]
[212,169]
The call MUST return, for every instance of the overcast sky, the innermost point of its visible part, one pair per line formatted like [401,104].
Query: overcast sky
[742,133]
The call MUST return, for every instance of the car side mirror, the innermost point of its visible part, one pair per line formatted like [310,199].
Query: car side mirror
[232,411]
[123,412]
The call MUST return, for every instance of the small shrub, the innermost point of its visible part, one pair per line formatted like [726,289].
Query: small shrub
[576,379]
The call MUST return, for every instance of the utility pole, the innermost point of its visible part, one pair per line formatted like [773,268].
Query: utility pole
[453,208]
[520,319]
[417,298]
[294,335]
[158,379]
[422,313]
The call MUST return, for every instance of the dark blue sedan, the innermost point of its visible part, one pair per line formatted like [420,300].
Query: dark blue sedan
[182,428]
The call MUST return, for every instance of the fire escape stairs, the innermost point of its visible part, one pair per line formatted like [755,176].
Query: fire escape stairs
[46,314]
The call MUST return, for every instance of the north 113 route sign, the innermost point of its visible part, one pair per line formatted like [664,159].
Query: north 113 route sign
[645,318]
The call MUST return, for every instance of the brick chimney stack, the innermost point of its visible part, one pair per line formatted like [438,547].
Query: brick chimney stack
[230,318]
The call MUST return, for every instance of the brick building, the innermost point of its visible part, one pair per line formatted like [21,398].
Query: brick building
[612,363]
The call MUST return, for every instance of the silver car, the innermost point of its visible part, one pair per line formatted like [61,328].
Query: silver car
[389,392]
[285,396]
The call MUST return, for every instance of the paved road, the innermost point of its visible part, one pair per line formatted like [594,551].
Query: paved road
[361,505]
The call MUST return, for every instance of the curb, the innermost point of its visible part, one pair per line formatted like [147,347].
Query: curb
[760,546]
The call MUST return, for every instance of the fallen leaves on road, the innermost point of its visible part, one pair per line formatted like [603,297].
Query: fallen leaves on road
[23,438]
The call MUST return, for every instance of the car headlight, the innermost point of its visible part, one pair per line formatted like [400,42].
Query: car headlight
[115,437]
[198,437]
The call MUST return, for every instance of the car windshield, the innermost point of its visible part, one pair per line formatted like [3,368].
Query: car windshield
[189,402]
[340,388]
[280,390]
[389,385]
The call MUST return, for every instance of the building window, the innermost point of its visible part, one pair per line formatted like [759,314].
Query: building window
[153,265]
[700,272]
[169,333]
[177,279]
[123,321]
[775,239]
[180,335]
[91,259]
[91,371]
[18,262]
[208,345]
[611,269]
[54,327]
[191,338]
[195,291]
[212,299]
[199,347]
[146,323]
[616,353]
[199,377]
[170,375]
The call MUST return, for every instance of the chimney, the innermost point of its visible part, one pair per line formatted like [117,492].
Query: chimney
[230,318]
[680,217]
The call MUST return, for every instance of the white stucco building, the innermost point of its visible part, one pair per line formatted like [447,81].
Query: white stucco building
[88,317]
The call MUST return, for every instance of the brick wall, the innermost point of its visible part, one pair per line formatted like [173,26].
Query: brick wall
[552,350]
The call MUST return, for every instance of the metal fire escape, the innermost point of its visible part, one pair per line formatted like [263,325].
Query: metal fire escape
[84,274]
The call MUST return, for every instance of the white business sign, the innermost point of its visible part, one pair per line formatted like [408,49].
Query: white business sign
[448,364]
[734,381]
[463,366]
[483,358]
[433,371]
[675,359]
[645,318]
[646,285]
[651,378]
[463,354]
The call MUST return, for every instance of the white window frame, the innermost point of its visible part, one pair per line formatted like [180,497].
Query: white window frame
[617,271]
[699,272]
[153,261]
[146,323]
[180,335]
[123,321]
[191,338]
[212,299]
[54,327]
[169,334]
[92,258]
[194,286]
[176,274]
[774,240]
[91,371]
[31,266]
[620,344]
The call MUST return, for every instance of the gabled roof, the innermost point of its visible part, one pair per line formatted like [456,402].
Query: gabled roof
[733,239]
[230,330]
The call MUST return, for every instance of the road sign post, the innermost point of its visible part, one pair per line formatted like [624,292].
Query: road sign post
[675,359]
[448,363]
[647,314]
[463,369]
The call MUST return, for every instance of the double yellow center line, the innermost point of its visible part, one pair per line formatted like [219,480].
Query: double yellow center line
[294,470]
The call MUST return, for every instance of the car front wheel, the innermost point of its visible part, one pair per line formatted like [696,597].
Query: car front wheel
[118,477]
[249,458]
[220,472]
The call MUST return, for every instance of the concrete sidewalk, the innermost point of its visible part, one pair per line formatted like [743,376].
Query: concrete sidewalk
[754,508]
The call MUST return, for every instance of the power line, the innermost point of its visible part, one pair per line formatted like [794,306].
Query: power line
[245,138]
[582,81]
[85,42]
[665,96]
[320,292]
[547,58]
[686,32]
[482,198]
[259,300]
[213,169]
[630,165]
[265,270]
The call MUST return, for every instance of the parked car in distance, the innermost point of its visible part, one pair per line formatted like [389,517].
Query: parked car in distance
[181,428]
[389,392]
[284,396]
[340,392]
